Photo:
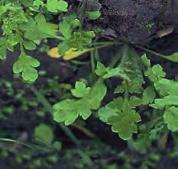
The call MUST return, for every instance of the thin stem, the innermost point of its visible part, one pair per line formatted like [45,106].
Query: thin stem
[92,56]
[76,62]
[59,38]
[105,43]
[94,49]
[22,51]
[126,95]
[84,130]
[97,56]
[153,52]
[19,36]
[15,141]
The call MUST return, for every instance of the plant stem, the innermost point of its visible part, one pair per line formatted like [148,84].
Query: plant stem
[76,62]
[103,45]
[92,56]
[107,43]
[125,55]
[59,38]
[153,52]
[41,98]
[19,37]
[15,141]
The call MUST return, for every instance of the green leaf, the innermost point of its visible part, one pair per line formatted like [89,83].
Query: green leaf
[155,73]
[93,15]
[38,3]
[173,57]
[167,87]
[26,66]
[100,69]
[110,109]
[120,115]
[84,110]
[80,89]
[168,90]
[38,28]
[96,94]
[166,101]
[115,72]
[80,40]
[49,29]
[105,113]
[65,111]
[145,60]
[131,63]
[74,36]
[56,6]
[63,47]
[119,89]
[135,101]
[69,110]
[68,25]
[108,72]
[125,123]
[148,95]
[29,74]
[65,28]
[29,45]
[171,118]
[44,133]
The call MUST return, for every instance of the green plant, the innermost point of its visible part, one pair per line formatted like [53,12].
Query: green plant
[141,86]
[25,24]
[132,94]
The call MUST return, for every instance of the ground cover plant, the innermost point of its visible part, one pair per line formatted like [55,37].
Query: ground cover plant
[119,74]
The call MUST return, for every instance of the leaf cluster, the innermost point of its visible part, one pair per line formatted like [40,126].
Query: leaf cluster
[25,24]
[123,113]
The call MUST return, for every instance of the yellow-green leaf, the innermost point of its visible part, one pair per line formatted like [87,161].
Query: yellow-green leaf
[72,53]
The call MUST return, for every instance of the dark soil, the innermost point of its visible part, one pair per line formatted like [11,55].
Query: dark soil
[137,21]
